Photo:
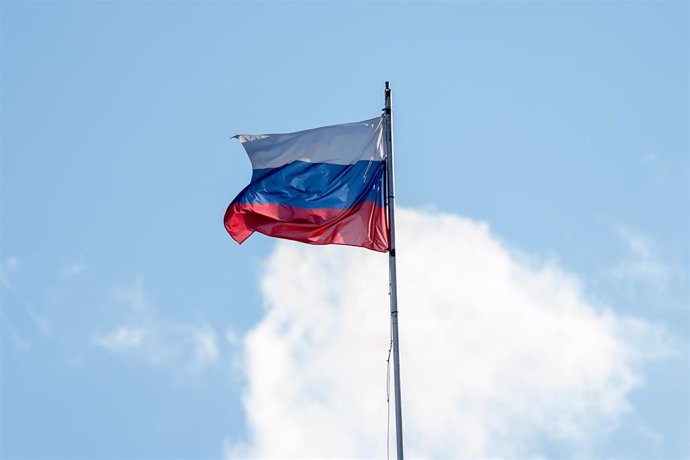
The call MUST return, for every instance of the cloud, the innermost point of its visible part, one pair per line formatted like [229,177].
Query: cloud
[146,334]
[205,348]
[642,266]
[122,338]
[9,316]
[73,269]
[19,344]
[500,355]
[7,268]
[41,322]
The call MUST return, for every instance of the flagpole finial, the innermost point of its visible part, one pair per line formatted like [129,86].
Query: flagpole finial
[387,93]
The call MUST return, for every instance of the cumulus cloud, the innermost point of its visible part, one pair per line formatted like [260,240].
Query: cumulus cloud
[145,333]
[500,355]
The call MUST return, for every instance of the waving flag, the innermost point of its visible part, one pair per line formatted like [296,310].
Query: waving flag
[319,186]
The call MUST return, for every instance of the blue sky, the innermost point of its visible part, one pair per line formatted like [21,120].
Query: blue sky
[126,307]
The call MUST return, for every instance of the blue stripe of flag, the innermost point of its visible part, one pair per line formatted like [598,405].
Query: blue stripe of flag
[316,185]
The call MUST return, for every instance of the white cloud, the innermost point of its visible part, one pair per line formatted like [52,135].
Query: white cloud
[145,333]
[642,264]
[40,321]
[206,351]
[498,355]
[122,338]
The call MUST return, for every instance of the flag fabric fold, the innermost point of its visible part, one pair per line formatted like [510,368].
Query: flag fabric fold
[319,186]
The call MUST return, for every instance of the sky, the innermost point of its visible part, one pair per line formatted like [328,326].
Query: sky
[543,186]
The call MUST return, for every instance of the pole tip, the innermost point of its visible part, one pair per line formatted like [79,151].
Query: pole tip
[387,86]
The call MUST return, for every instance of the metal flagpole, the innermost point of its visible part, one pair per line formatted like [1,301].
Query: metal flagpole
[390,201]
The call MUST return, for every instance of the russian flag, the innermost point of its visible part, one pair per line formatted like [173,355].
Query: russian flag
[319,186]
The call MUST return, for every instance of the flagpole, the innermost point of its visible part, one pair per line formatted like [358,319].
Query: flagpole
[393,286]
